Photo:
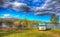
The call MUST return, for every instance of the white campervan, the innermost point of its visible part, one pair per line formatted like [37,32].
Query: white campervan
[42,26]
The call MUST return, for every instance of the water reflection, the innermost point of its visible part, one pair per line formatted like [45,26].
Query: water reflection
[52,26]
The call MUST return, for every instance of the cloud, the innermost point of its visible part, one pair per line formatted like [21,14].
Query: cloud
[21,6]
[50,7]
[2,2]
[9,16]
[15,5]
[5,16]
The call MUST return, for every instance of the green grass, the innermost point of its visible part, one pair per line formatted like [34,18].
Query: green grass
[55,31]
[30,33]
[5,33]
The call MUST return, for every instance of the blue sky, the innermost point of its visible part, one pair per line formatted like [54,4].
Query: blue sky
[4,12]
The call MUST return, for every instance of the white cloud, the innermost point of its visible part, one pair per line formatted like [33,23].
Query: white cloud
[18,5]
[2,2]
[50,7]
[58,14]
[9,16]
[21,6]
[6,16]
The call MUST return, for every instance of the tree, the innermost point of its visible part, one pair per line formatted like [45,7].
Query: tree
[34,23]
[9,22]
[17,23]
[54,20]
[1,21]
[24,22]
[30,23]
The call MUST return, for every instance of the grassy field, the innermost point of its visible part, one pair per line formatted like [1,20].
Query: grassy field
[34,33]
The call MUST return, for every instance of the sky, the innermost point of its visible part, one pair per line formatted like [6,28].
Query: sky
[17,13]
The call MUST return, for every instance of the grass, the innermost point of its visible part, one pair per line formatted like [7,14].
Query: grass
[2,33]
[55,31]
[31,33]
[5,33]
